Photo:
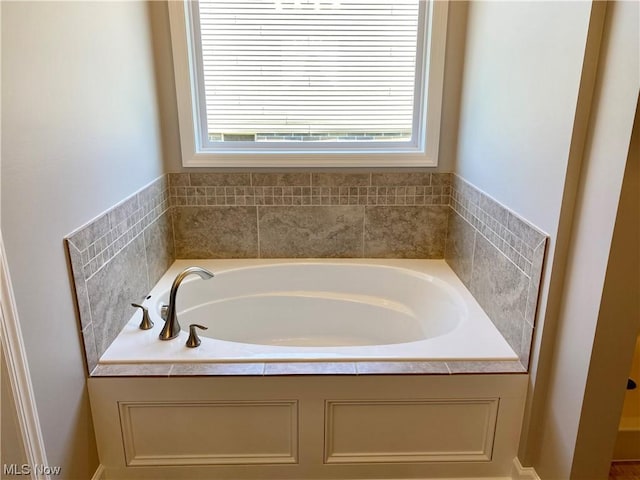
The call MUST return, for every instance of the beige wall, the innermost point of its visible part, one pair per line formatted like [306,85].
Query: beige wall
[596,329]
[528,90]
[521,78]
[80,132]
[520,99]
[63,163]
[528,86]
[618,324]
[167,96]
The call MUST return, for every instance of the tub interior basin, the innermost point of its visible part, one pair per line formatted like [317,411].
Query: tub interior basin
[318,305]
[299,318]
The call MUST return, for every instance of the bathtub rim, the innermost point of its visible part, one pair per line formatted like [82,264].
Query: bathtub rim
[319,366]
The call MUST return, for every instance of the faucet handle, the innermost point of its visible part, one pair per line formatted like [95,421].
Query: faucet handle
[164,310]
[146,323]
[194,340]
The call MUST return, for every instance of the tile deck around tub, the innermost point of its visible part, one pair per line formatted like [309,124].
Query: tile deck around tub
[307,368]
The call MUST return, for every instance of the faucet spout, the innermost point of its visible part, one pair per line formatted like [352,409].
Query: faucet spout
[171,327]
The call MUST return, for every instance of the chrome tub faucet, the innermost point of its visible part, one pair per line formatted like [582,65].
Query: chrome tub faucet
[171,327]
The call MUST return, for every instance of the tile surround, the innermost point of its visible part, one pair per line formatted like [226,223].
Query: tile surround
[315,214]
[115,258]
[111,290]
[158,239]
[459,247]
[310,368]
[311,231]
[501,290]
[215,232]
[510,234]
[133,370]
[499,257]
[496,254]
[266,189]
[204,369]
[406,231]
[404,368]
[464,367]
[101,239]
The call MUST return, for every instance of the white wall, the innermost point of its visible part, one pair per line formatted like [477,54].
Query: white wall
[79,133]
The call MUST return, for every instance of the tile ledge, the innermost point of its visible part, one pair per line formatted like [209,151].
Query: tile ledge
[221,369]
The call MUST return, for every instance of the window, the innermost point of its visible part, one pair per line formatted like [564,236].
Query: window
[309,82]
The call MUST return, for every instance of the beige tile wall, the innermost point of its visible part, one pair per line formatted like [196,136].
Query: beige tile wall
[499,257]
[329,214]
[116,258]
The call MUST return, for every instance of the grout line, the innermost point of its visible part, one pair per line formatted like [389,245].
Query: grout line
[172,210]
[543,241]
[258,230]
[146,260]
[446,234]
[473,255]
[364,227]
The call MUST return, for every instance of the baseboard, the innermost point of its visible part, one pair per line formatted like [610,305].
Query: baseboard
[523,473]
[100,473]
[627,446]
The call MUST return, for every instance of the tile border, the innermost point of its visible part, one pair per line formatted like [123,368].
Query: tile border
[101,239]
[213,369]
[263,189]
[516,238]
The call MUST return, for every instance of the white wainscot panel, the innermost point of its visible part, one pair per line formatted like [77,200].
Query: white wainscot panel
[209,433]
[410,431]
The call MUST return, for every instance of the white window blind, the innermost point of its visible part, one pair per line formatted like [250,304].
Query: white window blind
[309,70]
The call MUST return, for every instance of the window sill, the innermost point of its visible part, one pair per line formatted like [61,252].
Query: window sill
[306,160]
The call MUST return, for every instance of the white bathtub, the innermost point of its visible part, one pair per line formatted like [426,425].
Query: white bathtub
[324,310]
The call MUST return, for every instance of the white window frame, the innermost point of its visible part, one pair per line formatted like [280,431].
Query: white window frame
[422,153]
